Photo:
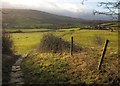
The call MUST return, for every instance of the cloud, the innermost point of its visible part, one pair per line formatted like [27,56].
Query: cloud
[43,5]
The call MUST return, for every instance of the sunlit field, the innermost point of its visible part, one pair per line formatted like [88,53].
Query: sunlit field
[23,42]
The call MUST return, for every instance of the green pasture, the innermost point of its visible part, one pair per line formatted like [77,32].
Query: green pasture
[24,42]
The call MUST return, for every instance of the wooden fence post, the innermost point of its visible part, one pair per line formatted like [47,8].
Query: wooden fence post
[104,51]
[71,46]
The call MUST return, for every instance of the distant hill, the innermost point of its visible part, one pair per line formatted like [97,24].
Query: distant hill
[24,18]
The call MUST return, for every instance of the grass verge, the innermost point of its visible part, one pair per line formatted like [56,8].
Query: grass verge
[42,68]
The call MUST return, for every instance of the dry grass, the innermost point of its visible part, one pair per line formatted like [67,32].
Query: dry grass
[81,69]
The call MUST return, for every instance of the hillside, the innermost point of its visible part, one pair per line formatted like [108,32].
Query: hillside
[26,18]
[22,18]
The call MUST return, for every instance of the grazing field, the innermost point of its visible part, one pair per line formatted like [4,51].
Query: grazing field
[61,68]
[23,42]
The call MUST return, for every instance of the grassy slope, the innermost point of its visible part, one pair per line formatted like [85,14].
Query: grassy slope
[22,18]
[63,69]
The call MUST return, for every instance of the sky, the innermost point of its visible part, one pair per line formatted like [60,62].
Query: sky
[72,8]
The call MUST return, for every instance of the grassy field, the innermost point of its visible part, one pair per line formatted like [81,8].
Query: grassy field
[62,68]
[23,42]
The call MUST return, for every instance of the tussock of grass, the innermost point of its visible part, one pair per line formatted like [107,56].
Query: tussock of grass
[51,43]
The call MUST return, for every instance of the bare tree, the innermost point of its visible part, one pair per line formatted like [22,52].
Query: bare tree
[111,8]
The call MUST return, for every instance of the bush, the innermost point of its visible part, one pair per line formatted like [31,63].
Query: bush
[6,43]
[51,43]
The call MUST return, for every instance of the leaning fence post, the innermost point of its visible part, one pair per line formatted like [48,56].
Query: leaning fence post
[71,46]
[103,54]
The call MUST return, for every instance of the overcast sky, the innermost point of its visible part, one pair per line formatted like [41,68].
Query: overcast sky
[72,8]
